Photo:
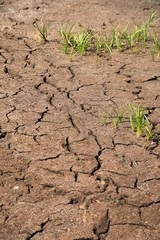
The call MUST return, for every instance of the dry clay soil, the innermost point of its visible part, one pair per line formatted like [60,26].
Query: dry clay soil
[64,175]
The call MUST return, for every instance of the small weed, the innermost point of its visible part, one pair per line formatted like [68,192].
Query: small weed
[117,38]
[82,41]
[139,122]
[118,119]
[113,117]
[137,33]
[77,39]
[75,42]
[100,43]
[137,117]
[151,19]
[103,44]
[41,31]
[129,39]
[66,33]
[144,32]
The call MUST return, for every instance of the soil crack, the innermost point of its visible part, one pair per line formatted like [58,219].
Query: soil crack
[102,227]
[152,79]
[42,225]
[42,114]
[72,122]
[72,73]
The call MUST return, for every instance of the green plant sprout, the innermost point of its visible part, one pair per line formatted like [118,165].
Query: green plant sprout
[137,117]
[113,117]
[118,119]
[42,32]
[141,33]
[77,39]
[82,41]
[118,39]
[151,19]
[103,44]
[100,43]
[146,25]
[139,122]
[67,34]
[75,42]
[129,39]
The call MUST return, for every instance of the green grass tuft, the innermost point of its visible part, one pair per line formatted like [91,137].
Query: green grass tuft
[41,31]
[137,116]
[78,39]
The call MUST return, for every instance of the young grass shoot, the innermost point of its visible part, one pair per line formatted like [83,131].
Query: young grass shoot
[136,116]
[41,32]
[78,39]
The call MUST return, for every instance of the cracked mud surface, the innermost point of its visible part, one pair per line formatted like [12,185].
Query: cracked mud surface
[64,176]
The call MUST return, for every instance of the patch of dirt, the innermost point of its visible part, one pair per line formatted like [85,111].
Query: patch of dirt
[64,176]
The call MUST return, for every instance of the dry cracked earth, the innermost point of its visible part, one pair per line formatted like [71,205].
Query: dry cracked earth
[64,175]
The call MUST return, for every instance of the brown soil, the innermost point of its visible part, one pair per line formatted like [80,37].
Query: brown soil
[64,176]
